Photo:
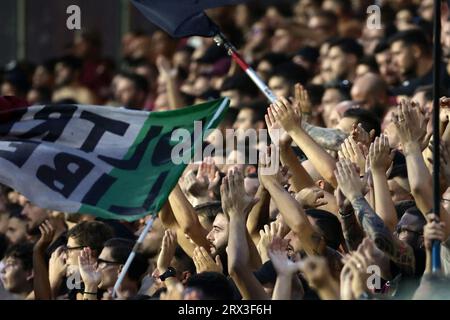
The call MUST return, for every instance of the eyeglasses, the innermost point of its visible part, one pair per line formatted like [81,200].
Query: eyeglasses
[66,248]
[103,263]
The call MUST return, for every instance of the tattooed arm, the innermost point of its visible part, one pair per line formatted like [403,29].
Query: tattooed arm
[353,233]
[350,185]
[328,138]
[398,251]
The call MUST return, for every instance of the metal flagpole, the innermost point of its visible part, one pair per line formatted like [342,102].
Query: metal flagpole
[436,246]
[231,50]
[132,255]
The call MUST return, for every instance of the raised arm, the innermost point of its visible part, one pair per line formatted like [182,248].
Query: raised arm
[187,218]
[169,77]
[327,138]
[41,283]
[285,114]
[237,204]
[292,211]
[411,129]
[398,251]
[259,215]
[380,161]
[300,178]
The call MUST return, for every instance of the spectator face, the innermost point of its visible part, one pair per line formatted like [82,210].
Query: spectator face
[331,97]
[426,10]
[446,39]
[42,78]
[370,38]
[4,221]
[340,63]
[15,278]
[218,236]
[279,86]
[346,124]
[244,120]
[35,215]
[234,96]
[64,75]
[17,230]
[264,69]
[384,61]
[397,192]
[108,268]
[281,41]
[321,27]
[128,95]
[410,230]
[73,252]
[8,89]
[404,58]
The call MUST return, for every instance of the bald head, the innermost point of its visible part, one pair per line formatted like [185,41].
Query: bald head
[369,90]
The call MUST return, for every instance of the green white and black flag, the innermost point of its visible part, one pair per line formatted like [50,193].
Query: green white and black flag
[109,162]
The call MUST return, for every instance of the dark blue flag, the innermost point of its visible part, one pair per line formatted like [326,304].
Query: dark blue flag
[182,18]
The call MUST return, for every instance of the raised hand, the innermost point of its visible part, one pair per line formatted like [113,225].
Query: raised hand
[277,134]
[280,176]
[362,136]
[204,263]
[311,197]
[168,247]
[57,265]
[47,234]
[164,67]
[286,115]
[348,180]
[301,101]
[88,270]
[354,152]
[433,230]
[279,257]
[235,201]
[357,263]
[266,236]
[380,155]
[411,125]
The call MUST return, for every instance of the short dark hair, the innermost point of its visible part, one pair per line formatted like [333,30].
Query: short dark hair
[22,252]
[382,46]
[209,210]
[213,285]
[70,61]
[259,109]
[327,14]
[184,261]
[138,81]
[412,37]
[291,72]
[121,249]
[349,46]
[241,83]
[367,119]
[343,87]
[92,234]
[330,226]
[402,206]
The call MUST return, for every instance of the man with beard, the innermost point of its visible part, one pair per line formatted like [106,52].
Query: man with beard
[35,216]
[413,61]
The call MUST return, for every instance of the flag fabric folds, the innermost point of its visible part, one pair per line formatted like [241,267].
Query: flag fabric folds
[110,162]
[182,18]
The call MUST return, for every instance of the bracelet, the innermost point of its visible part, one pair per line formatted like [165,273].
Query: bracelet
[91,293]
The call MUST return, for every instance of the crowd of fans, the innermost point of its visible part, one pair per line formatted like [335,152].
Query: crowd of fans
[349,215]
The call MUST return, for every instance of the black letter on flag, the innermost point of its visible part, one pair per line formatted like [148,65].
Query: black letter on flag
[69,172]
[101,125]
[53,127]
[22,152]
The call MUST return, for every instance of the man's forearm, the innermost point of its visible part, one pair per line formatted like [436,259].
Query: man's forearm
[399,252]
[300,178]
[383,202]
[328,138]
[353,233]
[324,163]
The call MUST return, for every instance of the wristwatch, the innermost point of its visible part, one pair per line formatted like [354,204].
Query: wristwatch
[171,272]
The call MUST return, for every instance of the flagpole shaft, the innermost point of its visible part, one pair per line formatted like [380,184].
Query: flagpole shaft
[131,256]
[436,260]
[231,50]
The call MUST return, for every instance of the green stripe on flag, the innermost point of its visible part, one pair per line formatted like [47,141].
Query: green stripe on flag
[132,187]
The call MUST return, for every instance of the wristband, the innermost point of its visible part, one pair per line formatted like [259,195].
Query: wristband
[171,272]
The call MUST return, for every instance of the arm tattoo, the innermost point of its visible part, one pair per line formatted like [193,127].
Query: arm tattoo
[353,233]
[330,139]
[399,252]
